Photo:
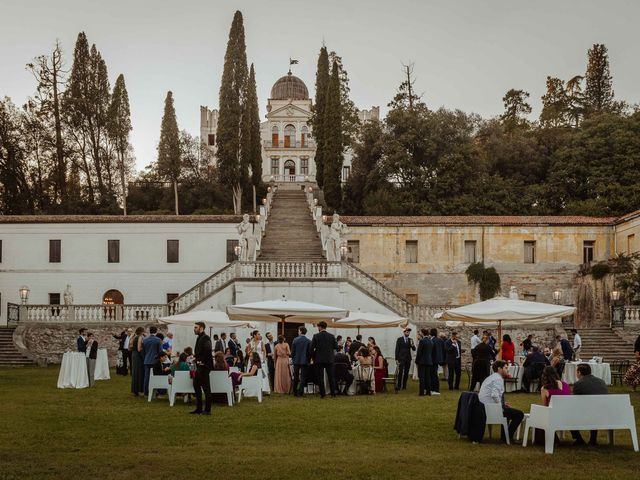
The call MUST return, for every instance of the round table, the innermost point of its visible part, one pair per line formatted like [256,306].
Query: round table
[102,365]
[73,371]
[600,370]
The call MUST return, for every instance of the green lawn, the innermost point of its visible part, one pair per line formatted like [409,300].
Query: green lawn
[105,432]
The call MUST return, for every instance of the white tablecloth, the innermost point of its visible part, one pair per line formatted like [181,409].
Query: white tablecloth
[102,365]
[73,371]
[600,370]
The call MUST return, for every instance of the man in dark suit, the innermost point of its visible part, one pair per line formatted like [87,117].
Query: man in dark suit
[567,349]
[204,364]
[270,349]
[424,361]
[234,346]
[533,366]
[355,346]
[438,360]
[404,345]
[300,358]
[151,349]
[342,370]
[81,341]
[92,345]
[123,347]
[587,384]
[222,344]
[323,347]
[453,350]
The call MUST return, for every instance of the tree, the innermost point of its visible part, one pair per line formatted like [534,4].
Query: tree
[232,169]
[317,120]
[515,109]
[119,126]
[575,99]
[333,141]
[598,92]
[350,118]
[555,104]
[169,153]
[251,150]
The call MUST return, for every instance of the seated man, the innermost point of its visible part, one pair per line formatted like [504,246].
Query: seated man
[162,365]
[587,384]
[342,368]
[533,366]
[492,391]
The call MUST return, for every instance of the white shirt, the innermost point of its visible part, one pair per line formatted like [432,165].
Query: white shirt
[126,342]
[577,342]
[492,389]
[475,340]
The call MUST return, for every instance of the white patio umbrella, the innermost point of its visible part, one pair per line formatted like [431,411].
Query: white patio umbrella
[360,319]
[284,310]
[211,318]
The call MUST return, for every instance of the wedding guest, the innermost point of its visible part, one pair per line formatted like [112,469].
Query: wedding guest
[437,354]
[342,368]
[167,344]
[124,338]
[508,349]
[219,362]
[371,342]
[323,347]
[81,341]
[282,383]
[221,344]
[365,364]
[424,361]
[480,369]
[632,376]
[229,358]
[552,385]
[533,366]
[577,341]
[191,360]
[587,384]
[453,349]
[256,364]
[92,355]
[475,339]
[181,365]
[270,350]
[300,352]
[204,364]
[404,346]
[234,345]
[137,362]
[379,369]
[355,347]
[162,365]
[151,348]
[527,344]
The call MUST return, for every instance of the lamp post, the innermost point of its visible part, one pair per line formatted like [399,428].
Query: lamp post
[557,295]
[343,251]
[617,309]
[237,250]
[24,294]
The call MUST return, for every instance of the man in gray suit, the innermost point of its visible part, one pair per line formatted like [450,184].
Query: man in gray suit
[587,384]
[300,358]
[151,349]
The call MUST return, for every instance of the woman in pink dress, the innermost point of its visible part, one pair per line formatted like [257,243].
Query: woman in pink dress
[552,385]
[282,382]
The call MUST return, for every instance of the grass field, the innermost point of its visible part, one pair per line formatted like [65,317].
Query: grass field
[105,432]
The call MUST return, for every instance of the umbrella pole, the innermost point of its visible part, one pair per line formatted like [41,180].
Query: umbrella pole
[499,339]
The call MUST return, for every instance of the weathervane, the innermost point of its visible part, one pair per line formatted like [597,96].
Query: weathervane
[292,62]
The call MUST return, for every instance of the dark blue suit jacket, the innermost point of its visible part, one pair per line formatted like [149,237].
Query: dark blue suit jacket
[300,350]
[82,344]
[438,350]
[424,356]
[151,349]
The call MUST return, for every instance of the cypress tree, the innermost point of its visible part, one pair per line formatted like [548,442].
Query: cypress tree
[169,161]
[251,148]
[231,168]
[598,93]
[318,116]
[119,126]
[333,141]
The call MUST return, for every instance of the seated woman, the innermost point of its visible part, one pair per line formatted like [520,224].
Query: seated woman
[552,385]
[236,377]
[230,359]
[219,363]
[191,359]
[632,377]
[363,373]
[379,369]
[181,364]
[557,360]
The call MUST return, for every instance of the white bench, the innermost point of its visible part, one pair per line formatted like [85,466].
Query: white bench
[157,382]
[582,412]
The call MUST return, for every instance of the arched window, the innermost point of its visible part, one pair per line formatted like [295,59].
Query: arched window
[289,136]
[303,136]
[113,297]
[274,136]
[290,168]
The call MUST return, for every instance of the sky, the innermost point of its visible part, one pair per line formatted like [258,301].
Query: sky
[466,53]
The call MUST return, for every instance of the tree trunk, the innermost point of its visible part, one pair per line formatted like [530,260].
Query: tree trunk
[254,200]
[61,169]
[237,199]
[175,195]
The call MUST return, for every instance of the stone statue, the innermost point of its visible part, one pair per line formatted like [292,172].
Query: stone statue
[335,238]
[245,231]
[68,296]
[257,236]
[513,293]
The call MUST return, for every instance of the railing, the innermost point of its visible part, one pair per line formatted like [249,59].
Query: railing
[208,286]
[13,314]
[282,144]
[632,314]
[96,313]
[425,313]
[292,178]
[290,270]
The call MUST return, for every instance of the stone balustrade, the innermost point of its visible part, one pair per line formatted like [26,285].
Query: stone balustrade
[632,315]
[95,313]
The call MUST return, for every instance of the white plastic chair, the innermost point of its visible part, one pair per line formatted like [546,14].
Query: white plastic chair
[495,417]
[251,387]
[157,382]
[220,382]
[181,383]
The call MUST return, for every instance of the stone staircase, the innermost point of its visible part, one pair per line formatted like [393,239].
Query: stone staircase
[290,234]
[603,342]
[10,356]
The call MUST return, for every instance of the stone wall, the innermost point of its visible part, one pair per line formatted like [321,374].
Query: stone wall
[46,343]
[630,334]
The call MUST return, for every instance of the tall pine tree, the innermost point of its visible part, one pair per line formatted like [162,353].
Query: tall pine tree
[250,148]
[119,126]
[233,170]
[318,116]
[555,104]
[598,93]
[169,153]
[333,157]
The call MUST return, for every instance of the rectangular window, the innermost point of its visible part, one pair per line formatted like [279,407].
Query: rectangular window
[530,252]
[304,166]
[588,247]
[411,251]
[172,296]
[470,251]
[631,247]
[173,251]
[113,251]
[529,297]
[211,139]
[346,170]
[412,298]
[55,251]
[54,299]
[275,166]
[274,140]
[231,250]
[353,251]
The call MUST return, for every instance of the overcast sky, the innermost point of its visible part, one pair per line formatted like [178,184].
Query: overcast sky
[467,53]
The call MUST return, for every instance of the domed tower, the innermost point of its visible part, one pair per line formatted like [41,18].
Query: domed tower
[287,146]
